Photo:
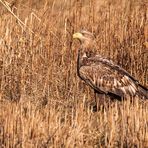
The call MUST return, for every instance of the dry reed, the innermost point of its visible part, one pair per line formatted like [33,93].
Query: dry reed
[42,101]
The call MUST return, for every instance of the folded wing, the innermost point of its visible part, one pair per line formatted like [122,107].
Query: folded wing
[105,77]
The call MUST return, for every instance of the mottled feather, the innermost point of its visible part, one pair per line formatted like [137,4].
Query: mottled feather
[107,76]
[102,74]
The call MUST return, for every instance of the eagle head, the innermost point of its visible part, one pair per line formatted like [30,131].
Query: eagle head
[85,38]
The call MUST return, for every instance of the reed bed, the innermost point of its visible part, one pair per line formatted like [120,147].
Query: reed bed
[42,101]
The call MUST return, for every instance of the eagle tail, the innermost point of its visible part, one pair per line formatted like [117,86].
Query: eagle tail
[143,91]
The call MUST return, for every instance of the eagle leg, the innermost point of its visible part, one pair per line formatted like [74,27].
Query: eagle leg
[99,101]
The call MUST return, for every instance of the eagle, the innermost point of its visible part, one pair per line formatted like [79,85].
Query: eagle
[102,75]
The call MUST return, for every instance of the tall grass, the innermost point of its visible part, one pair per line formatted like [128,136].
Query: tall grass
[42,101]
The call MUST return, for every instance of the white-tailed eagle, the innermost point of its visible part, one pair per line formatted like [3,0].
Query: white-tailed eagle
[102,75]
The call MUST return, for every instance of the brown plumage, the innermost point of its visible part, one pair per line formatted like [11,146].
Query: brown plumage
[103,75]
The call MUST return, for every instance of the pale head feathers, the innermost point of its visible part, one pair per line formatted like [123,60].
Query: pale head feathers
[83,35]
[86,39]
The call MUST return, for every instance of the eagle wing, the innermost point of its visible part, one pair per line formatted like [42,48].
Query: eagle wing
[106,77]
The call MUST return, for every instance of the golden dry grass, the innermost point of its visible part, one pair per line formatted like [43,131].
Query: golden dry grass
[42,101]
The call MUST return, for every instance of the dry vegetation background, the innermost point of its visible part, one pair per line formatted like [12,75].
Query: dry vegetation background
[42,101]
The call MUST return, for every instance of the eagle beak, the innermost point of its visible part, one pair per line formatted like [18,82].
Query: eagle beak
[77,35]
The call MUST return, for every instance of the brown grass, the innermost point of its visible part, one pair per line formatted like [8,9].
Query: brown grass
[43,102]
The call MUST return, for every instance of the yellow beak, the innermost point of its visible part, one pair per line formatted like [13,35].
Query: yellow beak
[77,35]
